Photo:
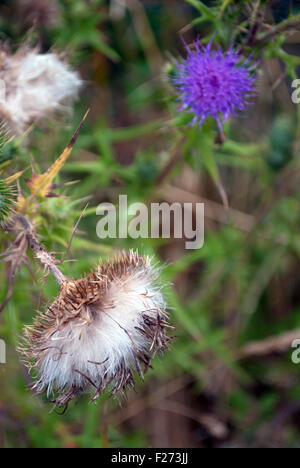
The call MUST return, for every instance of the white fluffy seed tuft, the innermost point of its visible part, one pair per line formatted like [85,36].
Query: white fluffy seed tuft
[34,86]
[99,330]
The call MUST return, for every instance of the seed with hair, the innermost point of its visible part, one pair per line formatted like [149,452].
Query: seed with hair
[99,330]
[34,86]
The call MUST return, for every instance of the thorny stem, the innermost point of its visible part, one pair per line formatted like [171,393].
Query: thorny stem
[257,18]
[40,251]
[175,156]
[290,23]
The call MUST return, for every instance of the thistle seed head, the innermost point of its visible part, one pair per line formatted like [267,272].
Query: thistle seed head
[34,86]
[98,331]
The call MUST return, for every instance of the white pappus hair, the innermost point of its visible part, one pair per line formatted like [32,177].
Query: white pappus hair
[33,86]
[98,330]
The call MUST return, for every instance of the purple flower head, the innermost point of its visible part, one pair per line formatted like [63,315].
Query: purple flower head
[213,83]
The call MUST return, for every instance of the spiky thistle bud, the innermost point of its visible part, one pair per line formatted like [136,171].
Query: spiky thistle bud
[6,199]
[98,330]
[33,86]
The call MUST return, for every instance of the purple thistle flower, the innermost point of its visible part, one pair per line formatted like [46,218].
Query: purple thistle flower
[213,83]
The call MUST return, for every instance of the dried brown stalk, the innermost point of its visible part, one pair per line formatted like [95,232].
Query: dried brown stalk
[16,253]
